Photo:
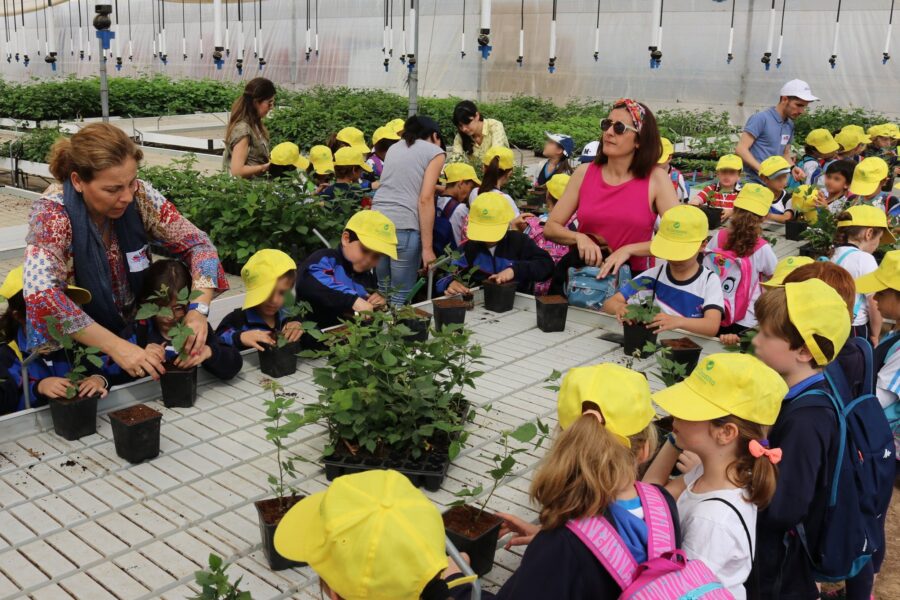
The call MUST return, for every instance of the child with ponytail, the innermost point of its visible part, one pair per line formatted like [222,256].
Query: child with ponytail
[498,167]
[722,413]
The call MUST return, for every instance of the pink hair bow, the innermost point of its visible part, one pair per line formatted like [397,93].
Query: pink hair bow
[758,449]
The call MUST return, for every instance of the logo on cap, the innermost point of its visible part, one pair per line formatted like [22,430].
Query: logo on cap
[709,365]
[484,211]
[386,227]
[677,224]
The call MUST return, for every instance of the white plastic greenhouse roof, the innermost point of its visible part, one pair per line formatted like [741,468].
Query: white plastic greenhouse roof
[79,522]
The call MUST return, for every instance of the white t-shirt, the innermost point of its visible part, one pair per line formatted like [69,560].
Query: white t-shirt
[512,202]
[857,263]
[762,263]
[713,533]
[782,204]
[887,384]
[457,219]
[690,298]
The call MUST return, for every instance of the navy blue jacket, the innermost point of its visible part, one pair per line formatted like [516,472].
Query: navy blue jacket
[12,397]
[240,320]
[328,282]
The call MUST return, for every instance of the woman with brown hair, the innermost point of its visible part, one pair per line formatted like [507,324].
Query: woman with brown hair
[92,229]
[618,196]
[246,138]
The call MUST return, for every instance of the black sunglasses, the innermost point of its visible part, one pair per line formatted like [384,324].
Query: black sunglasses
[618,126]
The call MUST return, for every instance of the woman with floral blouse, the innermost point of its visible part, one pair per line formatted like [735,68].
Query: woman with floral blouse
[93,229]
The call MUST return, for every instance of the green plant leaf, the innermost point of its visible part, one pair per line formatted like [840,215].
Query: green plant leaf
[524,432]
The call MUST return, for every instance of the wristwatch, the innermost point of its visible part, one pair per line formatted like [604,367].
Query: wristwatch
[200,307]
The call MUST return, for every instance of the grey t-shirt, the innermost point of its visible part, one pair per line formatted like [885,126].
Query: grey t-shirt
[401,181]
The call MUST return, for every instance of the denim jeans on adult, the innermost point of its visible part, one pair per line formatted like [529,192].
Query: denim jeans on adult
[400,275]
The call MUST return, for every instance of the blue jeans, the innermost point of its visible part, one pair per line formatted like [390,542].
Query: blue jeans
[397,277]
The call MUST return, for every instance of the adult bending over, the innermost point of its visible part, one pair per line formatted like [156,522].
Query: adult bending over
[617,197]
[246,137]
[406,196]
[92,229]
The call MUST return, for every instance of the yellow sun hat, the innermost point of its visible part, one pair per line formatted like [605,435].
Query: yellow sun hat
[556,185]
[507,159]
[682,230]
[262,272]
[375,231]
[355,138]
[886,276]
[351,157]
[667,150]
[785,267]
[322,160]
[288,154]
[489,217]
[755,198]
[15,283]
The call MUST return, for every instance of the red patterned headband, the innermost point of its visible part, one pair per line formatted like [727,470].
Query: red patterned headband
[636,110]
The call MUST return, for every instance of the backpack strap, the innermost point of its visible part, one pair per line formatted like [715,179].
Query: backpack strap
[450,208]
[814,398]
[740,517]
[845,255]
[660,529]
[604,542]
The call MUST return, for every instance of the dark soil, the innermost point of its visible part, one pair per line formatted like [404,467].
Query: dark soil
[274,509]
[461,519]
[450,303]
[682,343]
[171,368]
[135,414]
[552,300]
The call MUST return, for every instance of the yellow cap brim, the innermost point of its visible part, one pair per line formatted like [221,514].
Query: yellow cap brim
[324,168]
[684,403]
[9,290]
[487,233]
[828,147]
[863,188]
[361,148]
[666,249]
[259,294]
[373,243]
[775,282]
[871,283]
[302,163]
[301,532]
[475,179]
[78,295]
[363,165]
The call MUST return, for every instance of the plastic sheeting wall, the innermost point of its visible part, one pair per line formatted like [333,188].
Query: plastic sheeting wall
[693,73]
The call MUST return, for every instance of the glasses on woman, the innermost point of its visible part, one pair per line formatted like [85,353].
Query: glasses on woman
[618,126]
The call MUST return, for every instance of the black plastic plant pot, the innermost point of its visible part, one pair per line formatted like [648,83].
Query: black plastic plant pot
[418,325]
[808,250]
[793,229]
[179,387]
[636,337]
[476,538]
[448,311]
[551,313]
[75,418]
[685,352]
[136,432]
[499,297]
[270,512]
[279,362]
[713,216]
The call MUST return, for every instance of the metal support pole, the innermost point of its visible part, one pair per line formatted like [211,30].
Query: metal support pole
[104,83]
[414,67]
[464,567]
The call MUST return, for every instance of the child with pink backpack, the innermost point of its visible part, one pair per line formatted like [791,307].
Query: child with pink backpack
[602,533]
[533,227]
[742,258]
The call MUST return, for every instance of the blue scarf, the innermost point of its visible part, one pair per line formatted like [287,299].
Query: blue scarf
[92,270]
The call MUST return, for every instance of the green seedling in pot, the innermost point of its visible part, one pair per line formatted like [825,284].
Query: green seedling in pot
[670,370]
[76,354]
[157,305]
[293,310]
[643,309]
[281,421]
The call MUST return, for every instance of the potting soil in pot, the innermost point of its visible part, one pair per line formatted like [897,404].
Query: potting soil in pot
[478,538]
[448,311]
[419,326]
[136,432]
[75,418]
[270,513]
[684,351]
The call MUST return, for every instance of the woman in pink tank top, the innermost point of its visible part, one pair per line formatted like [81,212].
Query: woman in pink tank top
[617,197]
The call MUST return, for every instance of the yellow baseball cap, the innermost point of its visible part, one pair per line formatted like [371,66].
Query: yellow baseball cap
[355,138]
[816,309]
[774,166]
[881,130]
[507,159]
[869,216]
[369,536]
[384,133]
[321,159]
[460,172]
[397,126]
[886,276]
[785,267]
[351,157]
[868,175]
[261,273]
[287,153]
[556,185]
[726,384]
[375,231]
[859,131]
[755,198]
[489,217]
[623,396]
[822,141]
[850,139]
[15,283]
[730,161]
[667,150]
[682,230]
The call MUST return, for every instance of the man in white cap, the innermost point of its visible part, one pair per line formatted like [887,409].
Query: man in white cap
[769,132]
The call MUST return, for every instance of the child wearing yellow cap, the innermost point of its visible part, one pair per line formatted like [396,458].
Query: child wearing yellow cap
[349,166]
[820,149]
[338,281]
[722,413]
[498,164]
[590,474]
[869,178]
[499,254]
[723,191]
[675,176]
[860,231]
[348,137]
[774,173]
[451,208]
[533,226]
[838,176]
[285,160]
[321,167]
[382,140]
[268,275]
[852,140]
[688,294]
[802,327]
[47,372]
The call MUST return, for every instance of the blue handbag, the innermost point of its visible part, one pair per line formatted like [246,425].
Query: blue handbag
[584,290]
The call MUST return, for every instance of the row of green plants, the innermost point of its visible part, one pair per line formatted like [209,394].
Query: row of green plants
[34,145]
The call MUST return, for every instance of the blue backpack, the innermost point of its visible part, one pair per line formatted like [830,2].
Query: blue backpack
[860,489]
[443,230]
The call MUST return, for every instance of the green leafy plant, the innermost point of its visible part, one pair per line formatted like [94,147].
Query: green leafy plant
[216,585]
[76,354]
[157,306]
[821,234]
[377,396]
[294,309]
[670,370]
[281,422]
[745,343]
[460,274]
[644,309]
[34,145]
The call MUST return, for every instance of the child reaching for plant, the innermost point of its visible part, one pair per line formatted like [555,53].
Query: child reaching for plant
[688,294]
[269,277]
[451,208]
[860,230]
[774,173]
[533,227]
[722,413]
[722,193]
[499,255]
[557,150]
[336,282]
[164,301]
[46,374]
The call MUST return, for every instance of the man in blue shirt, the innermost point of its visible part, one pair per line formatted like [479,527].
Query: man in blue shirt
[769,132]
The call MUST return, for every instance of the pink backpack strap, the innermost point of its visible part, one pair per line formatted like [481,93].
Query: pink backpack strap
[721,238]
[760,242]
[660,529]
[602,539]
